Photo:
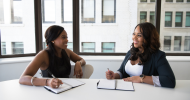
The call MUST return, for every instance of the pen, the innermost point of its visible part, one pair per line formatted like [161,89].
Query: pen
[51,73]
[108,69]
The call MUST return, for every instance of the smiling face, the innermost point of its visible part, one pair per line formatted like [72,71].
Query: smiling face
[61,41]
[137,38]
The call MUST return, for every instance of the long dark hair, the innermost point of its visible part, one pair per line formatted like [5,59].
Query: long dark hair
[50,35]
[150,44]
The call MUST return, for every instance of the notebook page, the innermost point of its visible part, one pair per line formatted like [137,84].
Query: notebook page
[73,82]
[123,85]
[61,88]
[106,84]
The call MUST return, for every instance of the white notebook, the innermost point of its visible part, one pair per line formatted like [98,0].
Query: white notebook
[67,84]
[115,85]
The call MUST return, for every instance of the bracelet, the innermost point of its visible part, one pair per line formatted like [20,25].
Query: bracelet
[80,62]
[32,80]
[46,82]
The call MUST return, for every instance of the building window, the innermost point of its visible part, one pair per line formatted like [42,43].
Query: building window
[167,43]
[88,11]
[67,11]
[177,43]
[168,19]
[143,16]
[108,47]
[179,0]
[16,11]
[188,0]
[178,19]
[48,9]
[108,11]
[3,48]
[169,0]
[187,24]
[88,47]
[44,45]
[152,0]
[152,17]
[17,48]
[70,45]
[143,0]
[187,43]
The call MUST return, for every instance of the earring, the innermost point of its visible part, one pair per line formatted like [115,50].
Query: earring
[52,42]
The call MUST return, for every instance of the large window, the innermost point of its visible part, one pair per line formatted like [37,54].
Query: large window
[152,17]
[178,19]
[108,47]
[108,11]
[67,11]
[168,19]
[187,43]
[167,43]
[70,45]
[16,11]
[187,24]
[88,11]
[88,47]
[143,15]
[177,43]
[17,48]
[3,48]
[48,10]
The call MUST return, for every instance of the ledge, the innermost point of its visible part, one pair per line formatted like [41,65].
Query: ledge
[91,58]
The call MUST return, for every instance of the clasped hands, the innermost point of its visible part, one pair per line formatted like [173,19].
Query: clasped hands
[111,75]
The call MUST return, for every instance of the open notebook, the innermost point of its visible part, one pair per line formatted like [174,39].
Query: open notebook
[115,85]
[67,84]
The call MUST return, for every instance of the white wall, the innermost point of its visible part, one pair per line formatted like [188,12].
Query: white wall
[12,68]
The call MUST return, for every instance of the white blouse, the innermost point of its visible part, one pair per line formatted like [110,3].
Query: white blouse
[136,70]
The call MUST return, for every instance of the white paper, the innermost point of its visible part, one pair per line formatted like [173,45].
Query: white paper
[106,84]
[73,82]
[123,85]
[61,88]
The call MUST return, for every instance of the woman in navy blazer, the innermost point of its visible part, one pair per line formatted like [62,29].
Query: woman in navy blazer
[144,62]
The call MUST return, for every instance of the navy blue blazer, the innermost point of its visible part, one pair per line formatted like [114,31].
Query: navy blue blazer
[156,66]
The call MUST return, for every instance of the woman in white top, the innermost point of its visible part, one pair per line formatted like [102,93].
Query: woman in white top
[144,62]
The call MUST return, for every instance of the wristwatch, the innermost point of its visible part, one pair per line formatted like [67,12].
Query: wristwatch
[142,77]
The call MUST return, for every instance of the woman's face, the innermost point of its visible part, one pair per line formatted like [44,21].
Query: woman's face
[61,41]
[137,38]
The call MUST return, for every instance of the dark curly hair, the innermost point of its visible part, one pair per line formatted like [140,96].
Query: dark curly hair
[150,44]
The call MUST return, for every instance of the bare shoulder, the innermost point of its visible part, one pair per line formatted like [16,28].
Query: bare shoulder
[42,55]
[69,52]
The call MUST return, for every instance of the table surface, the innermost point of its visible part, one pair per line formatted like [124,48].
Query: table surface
[12,90]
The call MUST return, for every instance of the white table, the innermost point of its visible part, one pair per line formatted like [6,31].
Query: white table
[12,90]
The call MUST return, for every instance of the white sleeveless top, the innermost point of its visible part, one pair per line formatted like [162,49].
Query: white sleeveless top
[133,70]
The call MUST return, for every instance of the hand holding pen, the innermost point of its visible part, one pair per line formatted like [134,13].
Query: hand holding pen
[110,74]
[54,82]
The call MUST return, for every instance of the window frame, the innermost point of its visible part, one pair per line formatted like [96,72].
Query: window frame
[181,19]
[62,13]
[186,18]
[102,49]
[170,16]
[43,14]
[114,12]
[38,31]
[12,14]
[89,48]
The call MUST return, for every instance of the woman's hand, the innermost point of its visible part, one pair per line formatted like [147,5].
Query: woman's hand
[78,70]
[110,74]
[135,79]
[54,82]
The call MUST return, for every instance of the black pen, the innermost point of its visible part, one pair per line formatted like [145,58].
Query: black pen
[51,73]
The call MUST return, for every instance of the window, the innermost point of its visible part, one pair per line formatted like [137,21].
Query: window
[3,48]
[88,46]
[143,16]
[169,0]
[88,11]
[143,0]
[48,11]
[152,17]
[187,24]
[177,43]
[44,45]
[167,43]
[168,19]
[17,48]
[108,47]
[16,11]
[178,19]
[152,0]
[187,43]
[1,12]
[70,45]
[108,11]
[188,0]
[179,0]
[67,11]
